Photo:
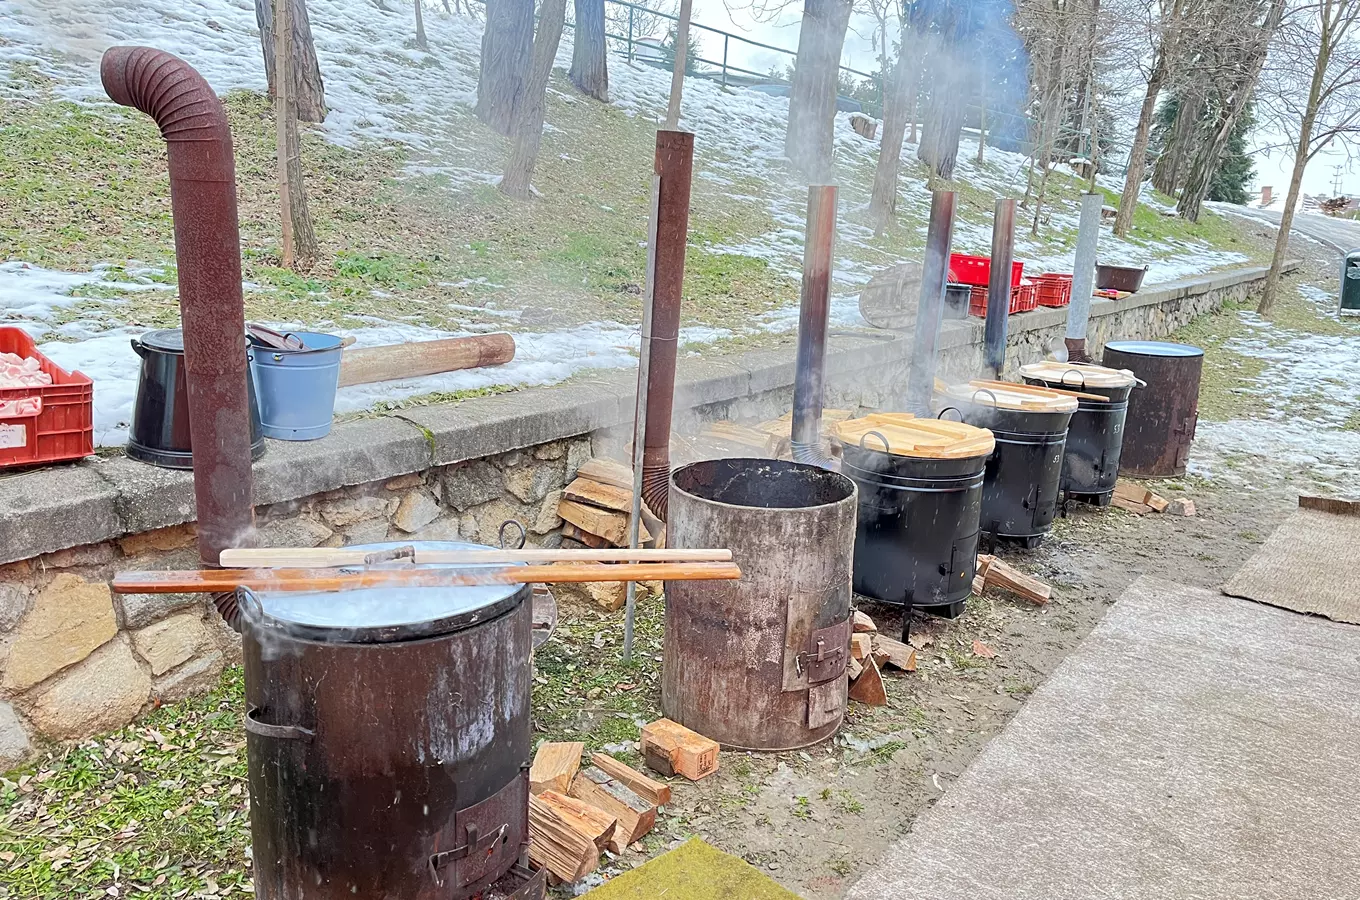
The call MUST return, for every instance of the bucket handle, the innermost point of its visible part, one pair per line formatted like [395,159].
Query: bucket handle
[1081,378]
[996,404]
[940,415]
[138,347]
[523,535]
[877,434]
[281,732]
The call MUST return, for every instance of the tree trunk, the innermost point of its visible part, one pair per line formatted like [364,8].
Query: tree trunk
[298,237]
[1166,174]
[309,94]
[420,27]
[1133,181]
[982,111]
[589,69]
[896,110]
[519,169]
[678,65]
[812,101]
[507,42]
[943,124]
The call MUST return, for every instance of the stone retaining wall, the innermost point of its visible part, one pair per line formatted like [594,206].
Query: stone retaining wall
[76,660]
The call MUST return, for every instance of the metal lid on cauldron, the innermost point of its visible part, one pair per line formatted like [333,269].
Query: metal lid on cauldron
[1075,376]
[1017,397]
[170,340]
[1154,348]
[379,615]
[903,434]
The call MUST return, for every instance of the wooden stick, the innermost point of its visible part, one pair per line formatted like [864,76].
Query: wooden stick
[1034,389]
[366,365]
[324,558]
[217,580]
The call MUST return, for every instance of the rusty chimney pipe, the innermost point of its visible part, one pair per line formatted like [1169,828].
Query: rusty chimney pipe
[208,254]
[675,166]
[814,309]
[930,313]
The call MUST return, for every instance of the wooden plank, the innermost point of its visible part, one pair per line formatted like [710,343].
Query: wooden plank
[1334,505]
[1158,503]
[366,365]
[555,844]
[868,687]
[213,581]
[1131,491]
[596,493]
[593,822]
[855,668]
[861,646]
[584,537]
[555,765]
[610,525]
[688,753]
[1032,589]
[607,472]
[1067,392]
[1130,505]
[894,653]
[863,623]
[655,792]
[634,815]
[322,557]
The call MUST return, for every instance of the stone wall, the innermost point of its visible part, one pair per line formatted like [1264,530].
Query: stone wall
[76,660]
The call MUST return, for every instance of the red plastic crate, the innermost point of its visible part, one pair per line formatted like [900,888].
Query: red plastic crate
[1024,297]
[1054,289]
[977,302]
[977,270]
[63,426]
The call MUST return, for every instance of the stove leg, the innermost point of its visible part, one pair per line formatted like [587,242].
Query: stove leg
[906,616]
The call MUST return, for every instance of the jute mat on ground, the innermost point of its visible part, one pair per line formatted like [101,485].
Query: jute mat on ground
[1311,564]
[693,871]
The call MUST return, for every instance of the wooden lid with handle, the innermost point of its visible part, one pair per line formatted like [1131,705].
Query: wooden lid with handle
[1075,376]
[1021,397]
[906,435]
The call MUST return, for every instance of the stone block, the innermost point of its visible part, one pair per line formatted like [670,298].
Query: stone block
[547,518]
[606,595]
[530,483]
[295,531]
[471,484]
[88,555]
[15,600]
[367,532]
[60,506]
[416,510]
[403,482]
[197,676]
[14,743]
[105,691]
[69,620]
[171,641]
[550,450]
[357,452]
[578,452]
[172,538]
[440,530]
[489,517]
[140,610]
[508,460]
[351,510]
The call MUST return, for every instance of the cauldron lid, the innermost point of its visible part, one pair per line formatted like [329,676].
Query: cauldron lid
[1077,376]
[375,615]
[1153,348]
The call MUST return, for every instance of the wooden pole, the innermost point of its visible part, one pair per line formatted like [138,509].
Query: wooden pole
[323,558]
[678,68]
[212,581]
[283,88]
[366,365]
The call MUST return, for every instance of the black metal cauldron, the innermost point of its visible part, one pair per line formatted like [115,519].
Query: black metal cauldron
[1095,437]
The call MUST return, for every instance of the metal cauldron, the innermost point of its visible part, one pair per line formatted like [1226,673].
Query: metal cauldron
[388,740]
[1162,416]
[759,664]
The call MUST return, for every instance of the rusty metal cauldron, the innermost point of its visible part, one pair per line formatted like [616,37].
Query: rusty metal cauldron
[759,664]
[388,740]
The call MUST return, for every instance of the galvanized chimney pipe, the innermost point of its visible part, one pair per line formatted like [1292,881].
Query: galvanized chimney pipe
[1083,277]
[999,286]
[675,166]
[813,310]
[208,254]
[930,312]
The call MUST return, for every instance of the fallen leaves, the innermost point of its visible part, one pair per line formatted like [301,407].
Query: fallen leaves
[982,650]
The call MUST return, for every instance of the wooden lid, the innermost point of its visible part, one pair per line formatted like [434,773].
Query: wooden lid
[1022,397]
[909,436]
[1075,376]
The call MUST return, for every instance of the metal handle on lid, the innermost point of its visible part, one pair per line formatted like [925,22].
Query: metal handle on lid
[249,605]
[281,732]
[887,448]
[1081,379]
[940,415]
[996,404]
[523,535]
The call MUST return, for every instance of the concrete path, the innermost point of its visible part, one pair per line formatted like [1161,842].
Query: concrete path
[1195,747]
[1342,235]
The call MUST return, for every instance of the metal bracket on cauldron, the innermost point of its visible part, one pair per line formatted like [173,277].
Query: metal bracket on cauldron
[475,844]
[828,653]
[281,732]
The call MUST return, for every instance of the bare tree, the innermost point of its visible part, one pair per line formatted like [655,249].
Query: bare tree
[507,44]
[678,65]
[298,236]
[589,65]
[519,169]
[420,27]
[307,89]
[812,98]
[644,19]
[1313,94]
[898,107]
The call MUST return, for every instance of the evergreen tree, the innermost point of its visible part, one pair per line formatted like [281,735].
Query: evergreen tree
[1236,169]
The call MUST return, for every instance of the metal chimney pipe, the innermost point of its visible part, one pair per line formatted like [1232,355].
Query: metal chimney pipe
[930,312]
[1083,277]
[814,309]
[999,285]
[208,254]
[675,166]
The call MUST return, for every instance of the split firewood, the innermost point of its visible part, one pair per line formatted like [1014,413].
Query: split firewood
[854,668]
[607,472]
[581,536]
[672,749]
[610,525]
[861,646]
[596,493]
[634,816]
[999,574]
[863,623]
[1181,506]
[1137,498]
[557,845]
[648,789]
[1158,504]
[868,687]
[555,765]
[893,653]
[1132,506]
[595,823]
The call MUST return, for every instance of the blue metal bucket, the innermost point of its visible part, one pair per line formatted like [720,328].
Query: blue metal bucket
[296,388]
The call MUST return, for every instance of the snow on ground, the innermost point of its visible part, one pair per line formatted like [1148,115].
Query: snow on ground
[380,88]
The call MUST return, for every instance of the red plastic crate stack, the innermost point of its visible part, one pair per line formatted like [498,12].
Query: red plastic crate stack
[976,271]
[977,302]
[59,426]
[1024,297]
[1054,289]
